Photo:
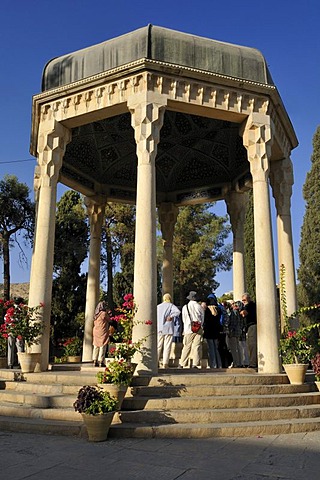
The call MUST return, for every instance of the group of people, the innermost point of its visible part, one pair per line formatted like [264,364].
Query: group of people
[229,329]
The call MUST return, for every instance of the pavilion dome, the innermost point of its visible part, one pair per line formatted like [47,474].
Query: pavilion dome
[161,45]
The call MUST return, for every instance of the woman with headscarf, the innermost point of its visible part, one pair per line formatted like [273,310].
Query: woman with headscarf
[168,319]
[100,334]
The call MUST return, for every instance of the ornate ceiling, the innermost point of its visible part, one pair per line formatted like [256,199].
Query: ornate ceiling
[195,154]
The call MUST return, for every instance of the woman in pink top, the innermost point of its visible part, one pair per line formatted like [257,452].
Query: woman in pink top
[100,334]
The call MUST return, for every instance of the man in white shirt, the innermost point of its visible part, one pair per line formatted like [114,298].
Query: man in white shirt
[192,312]
[167,316]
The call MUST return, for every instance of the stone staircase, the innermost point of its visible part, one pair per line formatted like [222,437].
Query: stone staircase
[175,404]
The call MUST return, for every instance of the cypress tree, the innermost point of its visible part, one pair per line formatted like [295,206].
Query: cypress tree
[309,249]
[249,258]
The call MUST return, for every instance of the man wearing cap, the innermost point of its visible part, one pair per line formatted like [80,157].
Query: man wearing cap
[191,312]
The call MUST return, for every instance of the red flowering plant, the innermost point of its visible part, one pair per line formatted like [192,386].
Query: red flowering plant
[72,347]
[301,344]
[23,322]
[117,371]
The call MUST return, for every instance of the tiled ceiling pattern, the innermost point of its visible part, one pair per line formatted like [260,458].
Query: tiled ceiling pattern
[193,152]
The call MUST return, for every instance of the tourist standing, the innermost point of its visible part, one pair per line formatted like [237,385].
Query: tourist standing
[211,330]
[249,312]
[100,334]
[192,312]
[168,325]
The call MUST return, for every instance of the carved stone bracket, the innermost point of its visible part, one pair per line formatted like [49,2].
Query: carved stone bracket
[281,179]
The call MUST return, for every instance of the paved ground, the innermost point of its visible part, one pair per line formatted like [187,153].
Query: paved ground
[42,457]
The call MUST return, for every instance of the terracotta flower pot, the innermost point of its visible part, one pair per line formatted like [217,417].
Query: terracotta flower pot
[117,391]
[98,426]
[29,362]
[296,372]
[73,358]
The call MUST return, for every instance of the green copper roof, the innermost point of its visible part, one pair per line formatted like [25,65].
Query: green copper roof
[161,44]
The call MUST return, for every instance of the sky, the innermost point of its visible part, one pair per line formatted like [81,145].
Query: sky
[33,32]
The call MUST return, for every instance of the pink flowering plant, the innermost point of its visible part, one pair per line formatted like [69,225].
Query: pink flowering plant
[23,322]
[124,348]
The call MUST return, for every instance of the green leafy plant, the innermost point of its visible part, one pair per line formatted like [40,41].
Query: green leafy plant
[72,347]
[315,362]
[118,372]
[3,345]
[92,401]
[24,323]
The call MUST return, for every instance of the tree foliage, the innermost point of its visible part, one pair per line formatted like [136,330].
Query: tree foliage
[199,250]
[16,218]
[71,248]
[118,239]
[249,257]
[309,249]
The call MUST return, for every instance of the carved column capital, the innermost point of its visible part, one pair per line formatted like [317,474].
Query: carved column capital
[53,139]
[258,139]
[281,179]
[147,119]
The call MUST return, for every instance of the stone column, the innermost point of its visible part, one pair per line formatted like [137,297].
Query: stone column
[281,177]
[147,119]
[257,138]
[236,207]
[95,213]
[52,142]
[167,213]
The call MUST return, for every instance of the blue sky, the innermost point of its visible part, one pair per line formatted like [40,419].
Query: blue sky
[32,32]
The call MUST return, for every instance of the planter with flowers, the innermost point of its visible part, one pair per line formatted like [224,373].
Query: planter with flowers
[116,378]
[297,346]
[97,409]
[72,349]
[25,324]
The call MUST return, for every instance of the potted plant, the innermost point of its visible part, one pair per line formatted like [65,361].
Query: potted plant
[25,324]
[297,348]
[116,378]
[72,349]
[315,362]
[97,409]
[297,345]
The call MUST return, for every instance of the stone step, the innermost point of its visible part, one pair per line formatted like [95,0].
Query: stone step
[26,411]
[168,391]
[219,415]
[164,391]
[233,401]
[42,426]
[38,400]
[200,430]
[170,376]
